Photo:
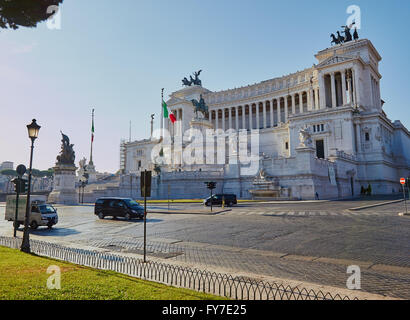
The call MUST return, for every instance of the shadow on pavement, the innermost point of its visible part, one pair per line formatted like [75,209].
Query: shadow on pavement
[108,220]
[55,232]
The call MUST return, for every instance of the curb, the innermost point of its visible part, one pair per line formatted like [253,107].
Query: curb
[374,205]
[403,214]
[214,213]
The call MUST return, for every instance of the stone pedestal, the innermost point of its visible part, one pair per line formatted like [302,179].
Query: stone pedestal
[201,125]
[265,187]
[92,174]
[64,191]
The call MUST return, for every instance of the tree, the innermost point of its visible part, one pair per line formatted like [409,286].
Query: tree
[25,13]
[9,173]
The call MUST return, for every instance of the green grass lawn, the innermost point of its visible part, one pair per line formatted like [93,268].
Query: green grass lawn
[24,277]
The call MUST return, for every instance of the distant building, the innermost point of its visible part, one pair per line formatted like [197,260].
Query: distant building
[7,165]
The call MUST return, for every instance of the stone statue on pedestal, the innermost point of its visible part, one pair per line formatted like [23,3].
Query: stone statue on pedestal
[64,191]
[200,106]
[67,154]
[193,81]
[305,138]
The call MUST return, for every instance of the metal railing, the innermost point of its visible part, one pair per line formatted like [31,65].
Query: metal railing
[224,285]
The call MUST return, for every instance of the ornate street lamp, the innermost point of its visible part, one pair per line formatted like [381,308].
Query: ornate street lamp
[33,130]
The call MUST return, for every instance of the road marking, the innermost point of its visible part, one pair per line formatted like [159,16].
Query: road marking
[302,213]
[291,213]
[312,213]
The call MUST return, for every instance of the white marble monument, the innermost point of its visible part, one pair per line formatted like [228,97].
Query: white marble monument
[323,130]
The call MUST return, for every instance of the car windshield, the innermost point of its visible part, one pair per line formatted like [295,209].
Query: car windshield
[132,203]
[47,209]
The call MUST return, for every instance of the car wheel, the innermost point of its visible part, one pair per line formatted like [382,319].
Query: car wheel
[101,216]
[34,225]
[17,224]
[50,226]
[127,217]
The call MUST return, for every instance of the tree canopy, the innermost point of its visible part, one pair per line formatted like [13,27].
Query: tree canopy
[36,173]
[25,13]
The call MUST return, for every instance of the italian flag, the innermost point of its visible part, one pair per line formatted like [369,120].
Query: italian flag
[168,113]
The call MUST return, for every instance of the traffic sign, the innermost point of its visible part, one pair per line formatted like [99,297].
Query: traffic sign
[145,183]
[21,170]
[403,181]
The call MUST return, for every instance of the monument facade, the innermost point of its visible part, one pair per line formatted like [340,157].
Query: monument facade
[322,132]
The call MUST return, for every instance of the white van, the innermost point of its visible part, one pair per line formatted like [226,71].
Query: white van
[41,213]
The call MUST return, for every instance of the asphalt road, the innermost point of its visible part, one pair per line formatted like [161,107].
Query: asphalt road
[311,229]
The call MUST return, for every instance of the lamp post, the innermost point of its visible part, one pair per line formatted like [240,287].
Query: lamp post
[33,130]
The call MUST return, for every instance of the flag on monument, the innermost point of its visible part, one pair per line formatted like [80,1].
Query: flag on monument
[92,129]
[168,113]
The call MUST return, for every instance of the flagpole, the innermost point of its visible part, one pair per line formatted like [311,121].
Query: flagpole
[92,139]
[162,113]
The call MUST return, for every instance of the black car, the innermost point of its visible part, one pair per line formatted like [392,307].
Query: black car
[118,207]
[230,200]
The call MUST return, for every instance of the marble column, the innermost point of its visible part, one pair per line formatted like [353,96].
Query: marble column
[279,117]
[271,114]
[257,117]
[293,104]
[264,115]
[322,91]
[333,87]
[344,87]
[300,102]
[359,138]
[286,109]
[250,117]
[349,89]
[243,117]
[311,103]
[317,106]
[236,118]
[356,85]
[230,118]
[223,120]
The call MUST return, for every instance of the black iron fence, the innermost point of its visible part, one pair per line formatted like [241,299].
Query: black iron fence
[237,288]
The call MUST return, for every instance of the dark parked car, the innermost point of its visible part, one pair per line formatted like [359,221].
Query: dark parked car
[118,207]
[230,200]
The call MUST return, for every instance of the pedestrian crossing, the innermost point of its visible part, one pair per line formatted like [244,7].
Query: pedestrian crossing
[269,213]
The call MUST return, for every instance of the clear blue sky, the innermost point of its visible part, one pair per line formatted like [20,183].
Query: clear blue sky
[117,55]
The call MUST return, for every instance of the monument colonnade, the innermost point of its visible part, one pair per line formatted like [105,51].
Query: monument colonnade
[334,89]
[264,114]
